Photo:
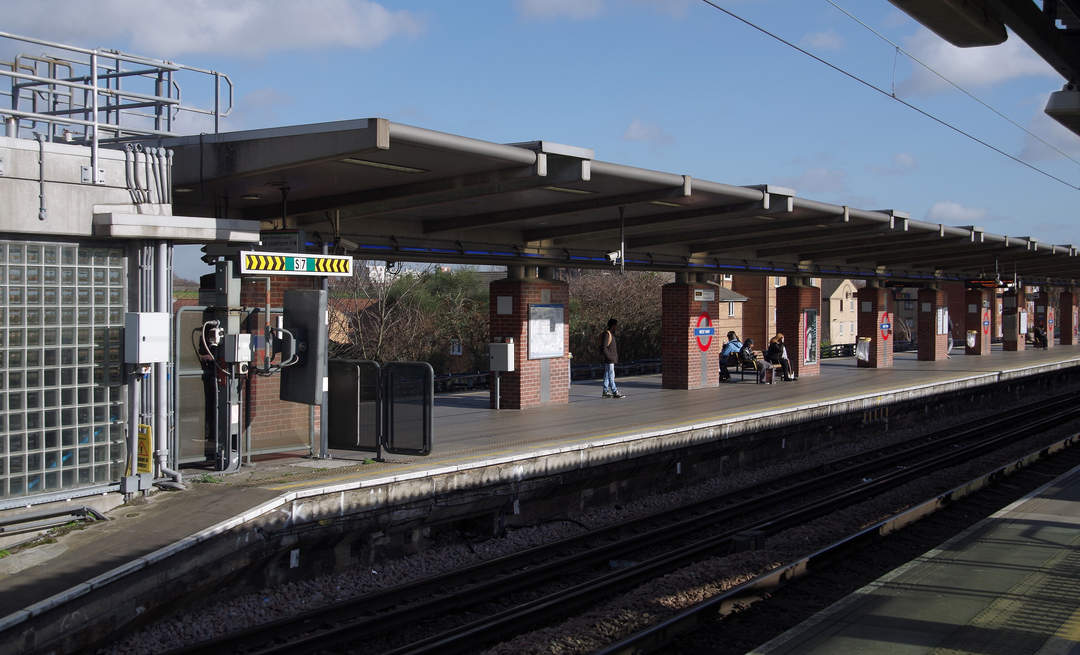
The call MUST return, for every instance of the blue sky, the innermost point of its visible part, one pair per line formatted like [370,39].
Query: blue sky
[672,85]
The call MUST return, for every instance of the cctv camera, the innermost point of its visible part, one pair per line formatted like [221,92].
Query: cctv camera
[614,256]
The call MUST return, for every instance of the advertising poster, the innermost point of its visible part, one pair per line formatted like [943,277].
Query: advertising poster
[546,331]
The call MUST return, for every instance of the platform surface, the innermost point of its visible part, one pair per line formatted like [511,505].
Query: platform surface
[468,434]
[1009,585]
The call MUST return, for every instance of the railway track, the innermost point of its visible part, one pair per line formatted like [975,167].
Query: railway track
[810,584]
[488,602]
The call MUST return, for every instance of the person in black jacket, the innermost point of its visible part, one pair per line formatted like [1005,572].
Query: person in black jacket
[610,353]
[777,354]
[749,358]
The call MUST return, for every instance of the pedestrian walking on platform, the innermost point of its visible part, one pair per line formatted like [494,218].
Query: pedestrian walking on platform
[610,352]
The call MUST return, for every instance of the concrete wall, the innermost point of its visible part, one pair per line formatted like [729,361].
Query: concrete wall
[69,202]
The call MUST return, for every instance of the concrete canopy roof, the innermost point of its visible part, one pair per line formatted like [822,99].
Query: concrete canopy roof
[402,193]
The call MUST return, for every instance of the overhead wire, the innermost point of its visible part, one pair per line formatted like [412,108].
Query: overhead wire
[900,49]
[887,94]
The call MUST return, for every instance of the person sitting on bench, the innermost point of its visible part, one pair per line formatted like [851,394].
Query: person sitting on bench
[732,347]
[750,360]
[777,354]
[1038,337]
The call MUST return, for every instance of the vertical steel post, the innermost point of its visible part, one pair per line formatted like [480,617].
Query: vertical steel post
[94,120]
[622,240]
[217,101]
[324,435]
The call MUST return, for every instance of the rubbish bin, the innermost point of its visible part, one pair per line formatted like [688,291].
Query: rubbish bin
[862,349]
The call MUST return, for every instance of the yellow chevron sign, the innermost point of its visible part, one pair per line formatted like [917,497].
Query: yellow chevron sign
[279,263]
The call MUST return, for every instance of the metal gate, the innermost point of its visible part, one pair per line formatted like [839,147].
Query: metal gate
[373,408]
[62,394]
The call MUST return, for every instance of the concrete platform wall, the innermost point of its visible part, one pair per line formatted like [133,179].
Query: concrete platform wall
[318,531]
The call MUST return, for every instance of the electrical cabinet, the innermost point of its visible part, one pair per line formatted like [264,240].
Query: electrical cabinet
[236,348]
[501,357]
[146,337]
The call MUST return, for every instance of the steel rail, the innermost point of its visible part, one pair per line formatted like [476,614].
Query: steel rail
[359,623]
[536,613]
[659,635]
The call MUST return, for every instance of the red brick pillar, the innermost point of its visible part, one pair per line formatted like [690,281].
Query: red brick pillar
[545,377]
[1012,304]
[798,316]
[1045,316]
[995,314]
[690,348]
[933,328]
[955,297]
[876,323]
[1067,324]
[977,319]
[757,311]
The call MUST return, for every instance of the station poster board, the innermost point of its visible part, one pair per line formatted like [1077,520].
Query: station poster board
[810,336]
[546,329]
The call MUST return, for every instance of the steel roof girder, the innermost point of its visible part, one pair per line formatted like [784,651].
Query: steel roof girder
[704,240]
[839,244]
[435,192]
[935,255]
[486,219]
[902,241]
[595,226]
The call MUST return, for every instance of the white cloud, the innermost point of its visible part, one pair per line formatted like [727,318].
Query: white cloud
[158,28]
[1050,131]
[902,163]
[968,67]
[817,179]
[953,213]
[551,9]
[828,40]
[654,135]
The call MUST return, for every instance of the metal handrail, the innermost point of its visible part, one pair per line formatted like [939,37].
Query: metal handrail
[67,74]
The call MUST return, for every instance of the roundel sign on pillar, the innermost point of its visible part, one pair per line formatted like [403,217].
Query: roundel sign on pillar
[884,325]
[704,331]
[986,322]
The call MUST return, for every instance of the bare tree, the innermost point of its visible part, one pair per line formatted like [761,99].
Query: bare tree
[632,298]
[372,316]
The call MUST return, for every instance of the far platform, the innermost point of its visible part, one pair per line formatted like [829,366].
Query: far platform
[472,440]
[1006,585]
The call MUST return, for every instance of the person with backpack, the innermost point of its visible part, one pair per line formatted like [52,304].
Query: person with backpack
[749,359]
[609,352]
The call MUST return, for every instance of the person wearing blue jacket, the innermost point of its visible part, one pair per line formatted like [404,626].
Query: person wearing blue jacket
[732,347]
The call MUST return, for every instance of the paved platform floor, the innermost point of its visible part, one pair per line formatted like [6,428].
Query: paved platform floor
[1008,585]
[468,434]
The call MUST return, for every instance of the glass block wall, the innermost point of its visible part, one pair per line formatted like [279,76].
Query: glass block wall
[61,367]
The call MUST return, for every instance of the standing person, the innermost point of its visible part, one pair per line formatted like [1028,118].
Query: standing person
[777,354]
[610,353]
[732,347]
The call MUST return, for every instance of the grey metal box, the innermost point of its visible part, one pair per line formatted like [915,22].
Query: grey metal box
[501,357]
[236,348]
[146,337]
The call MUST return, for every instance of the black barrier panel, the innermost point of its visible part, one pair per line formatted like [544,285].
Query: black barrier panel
[304,315]
[353,405]
[409,400]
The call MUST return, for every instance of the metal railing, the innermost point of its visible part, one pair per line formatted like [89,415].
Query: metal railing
[97,96]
